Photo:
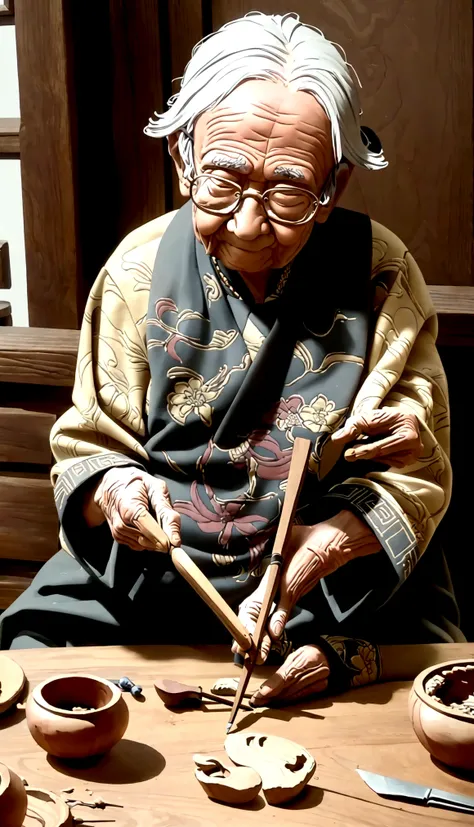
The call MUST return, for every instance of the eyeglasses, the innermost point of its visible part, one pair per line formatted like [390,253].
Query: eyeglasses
[283,204]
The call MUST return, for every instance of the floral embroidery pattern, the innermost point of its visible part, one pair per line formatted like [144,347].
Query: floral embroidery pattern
[360,657]
[319,416]
[221,339]
[194,395]
[224,516]
[191,397]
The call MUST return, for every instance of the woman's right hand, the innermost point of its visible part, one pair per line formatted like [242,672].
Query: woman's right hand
[122,495]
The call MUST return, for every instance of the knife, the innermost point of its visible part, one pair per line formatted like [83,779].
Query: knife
[417,793]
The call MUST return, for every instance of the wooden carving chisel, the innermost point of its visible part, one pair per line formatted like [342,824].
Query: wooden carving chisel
[298,466]
[199,582]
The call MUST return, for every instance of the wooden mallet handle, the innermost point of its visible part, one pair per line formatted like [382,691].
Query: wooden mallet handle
[199,582]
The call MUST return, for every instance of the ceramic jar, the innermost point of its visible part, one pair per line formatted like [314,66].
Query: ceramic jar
[76,716]
[446,732]
[13,798]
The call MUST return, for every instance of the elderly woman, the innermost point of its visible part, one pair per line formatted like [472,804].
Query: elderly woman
[213,337]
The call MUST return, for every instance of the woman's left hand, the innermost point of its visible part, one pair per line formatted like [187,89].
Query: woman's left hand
[314,552]
[305,672]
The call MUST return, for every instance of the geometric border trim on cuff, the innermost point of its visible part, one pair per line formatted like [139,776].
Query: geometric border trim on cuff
[386,520]
[83,469]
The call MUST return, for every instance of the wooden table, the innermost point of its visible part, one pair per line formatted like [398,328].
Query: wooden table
[152,774]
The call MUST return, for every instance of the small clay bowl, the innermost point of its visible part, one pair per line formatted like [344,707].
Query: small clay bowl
[13,798]
[76,716]
[446,732]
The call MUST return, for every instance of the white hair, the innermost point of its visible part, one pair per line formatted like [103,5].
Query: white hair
[276,48]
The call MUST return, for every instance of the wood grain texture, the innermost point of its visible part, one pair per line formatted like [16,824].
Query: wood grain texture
[9,136]
[38,356]
[151,772]
[28,520]
[5,272]
[24,436]
[415,64]
[47,155]
[136,93]
[186,22]
[15,577]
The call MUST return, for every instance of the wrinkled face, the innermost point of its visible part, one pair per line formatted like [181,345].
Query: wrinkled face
[262,135]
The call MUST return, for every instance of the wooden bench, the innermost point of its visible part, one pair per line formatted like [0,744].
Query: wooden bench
[36,376]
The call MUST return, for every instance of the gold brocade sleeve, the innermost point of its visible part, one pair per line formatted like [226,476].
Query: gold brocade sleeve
[106,424]
[404,371]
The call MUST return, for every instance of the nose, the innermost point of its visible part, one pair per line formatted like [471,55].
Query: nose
[250,220]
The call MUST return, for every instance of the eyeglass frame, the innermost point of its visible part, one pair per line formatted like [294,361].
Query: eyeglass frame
[249,192]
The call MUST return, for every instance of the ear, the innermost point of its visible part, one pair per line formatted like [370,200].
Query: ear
[178,162]
[343,176]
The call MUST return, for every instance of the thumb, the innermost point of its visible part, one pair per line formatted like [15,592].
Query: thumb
[280,617]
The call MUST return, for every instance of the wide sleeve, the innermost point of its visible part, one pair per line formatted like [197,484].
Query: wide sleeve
[403,507]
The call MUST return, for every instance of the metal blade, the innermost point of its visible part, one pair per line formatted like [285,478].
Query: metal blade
[406,790]
[394,787]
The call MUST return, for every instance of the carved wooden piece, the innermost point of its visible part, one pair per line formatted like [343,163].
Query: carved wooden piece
[298,466]
[12,681]
[199,582]
[446,731]
[13,799]
[46,809]
[174,693]
[56,722]
[232,785]
[284,766]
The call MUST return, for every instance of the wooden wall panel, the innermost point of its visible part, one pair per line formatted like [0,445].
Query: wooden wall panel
[24,436]
[38,357]
[47,155]
[188,23]
[28,520]
[415,63]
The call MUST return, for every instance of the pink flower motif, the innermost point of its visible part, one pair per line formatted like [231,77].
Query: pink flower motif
[288,416]
[273,467]
[222,519]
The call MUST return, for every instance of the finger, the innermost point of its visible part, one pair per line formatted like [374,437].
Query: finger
[311,689]
[264,650]
[303,682]
[279,617]
[171,525]
[269,690]
[353,427]
[383,447]
[125,536]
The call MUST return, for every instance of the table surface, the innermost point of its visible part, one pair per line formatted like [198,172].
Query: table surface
[151,772]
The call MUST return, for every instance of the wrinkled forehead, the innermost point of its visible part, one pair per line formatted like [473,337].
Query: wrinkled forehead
[263,118]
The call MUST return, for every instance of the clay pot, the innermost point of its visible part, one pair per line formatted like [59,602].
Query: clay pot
[66,732]
[13,798]
[447,733]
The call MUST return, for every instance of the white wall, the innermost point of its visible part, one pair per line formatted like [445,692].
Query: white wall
[11,203]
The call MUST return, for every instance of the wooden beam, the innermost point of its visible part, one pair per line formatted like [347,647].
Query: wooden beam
[10,136]
[47,162]
[5,272]
[24,436]
[28,519]
[37,356]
